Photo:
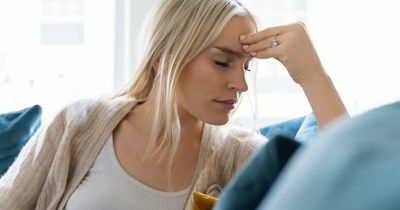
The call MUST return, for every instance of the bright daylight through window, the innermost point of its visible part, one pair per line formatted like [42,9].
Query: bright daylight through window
[53,52]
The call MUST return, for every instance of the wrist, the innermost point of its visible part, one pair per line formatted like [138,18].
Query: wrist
[316,80]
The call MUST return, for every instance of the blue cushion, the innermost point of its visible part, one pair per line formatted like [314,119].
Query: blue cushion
[16,128]
[303,129]
[288,128]
[353,164]
[254,180]
[308,129]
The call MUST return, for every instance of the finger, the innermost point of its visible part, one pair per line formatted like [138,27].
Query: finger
[262,45]
[267,53]
[266,33]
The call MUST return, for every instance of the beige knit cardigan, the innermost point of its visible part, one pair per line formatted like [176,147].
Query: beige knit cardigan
[56,159]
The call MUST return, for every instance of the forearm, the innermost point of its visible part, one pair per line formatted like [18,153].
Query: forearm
[297,53]
[324,99]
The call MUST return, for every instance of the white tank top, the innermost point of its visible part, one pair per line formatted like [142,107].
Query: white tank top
[107,186]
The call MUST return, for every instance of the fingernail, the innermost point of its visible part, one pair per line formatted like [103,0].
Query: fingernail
[242,37]
[253,54]
[245,47]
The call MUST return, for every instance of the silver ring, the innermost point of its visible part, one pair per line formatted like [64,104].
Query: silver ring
[274,42]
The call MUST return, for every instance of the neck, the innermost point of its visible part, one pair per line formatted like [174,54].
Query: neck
[191,127]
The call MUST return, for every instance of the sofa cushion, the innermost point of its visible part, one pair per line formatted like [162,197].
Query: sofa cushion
[16,128]
[353,164]
[253,181]
[203,201]
[302,129]
[288,128]
[308,129]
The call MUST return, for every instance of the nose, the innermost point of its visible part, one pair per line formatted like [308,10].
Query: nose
[238,81]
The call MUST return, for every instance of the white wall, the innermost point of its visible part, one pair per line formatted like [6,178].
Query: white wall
[359,44]
[50,50]
[139,10]
[130,18]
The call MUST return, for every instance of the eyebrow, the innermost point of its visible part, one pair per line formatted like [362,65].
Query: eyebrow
[232,52]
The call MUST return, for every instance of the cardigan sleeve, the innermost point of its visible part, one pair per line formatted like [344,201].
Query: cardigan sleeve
[238,146]
[230,152]
[20,187]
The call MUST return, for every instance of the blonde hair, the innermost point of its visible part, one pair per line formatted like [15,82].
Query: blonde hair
[177,31]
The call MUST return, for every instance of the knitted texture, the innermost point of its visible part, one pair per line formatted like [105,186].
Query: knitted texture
[56,159]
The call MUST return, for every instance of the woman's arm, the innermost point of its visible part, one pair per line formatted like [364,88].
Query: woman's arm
[291,45]
[324,99]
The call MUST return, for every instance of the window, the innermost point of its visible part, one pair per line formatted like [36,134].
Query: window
[53,52]
[358,44]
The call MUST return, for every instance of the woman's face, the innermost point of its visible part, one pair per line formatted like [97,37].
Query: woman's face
[210,84]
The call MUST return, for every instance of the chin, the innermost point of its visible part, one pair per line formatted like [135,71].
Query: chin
[216,120]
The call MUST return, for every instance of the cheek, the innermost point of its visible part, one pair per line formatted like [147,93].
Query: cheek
[201,81]
[198,87]
[200,84]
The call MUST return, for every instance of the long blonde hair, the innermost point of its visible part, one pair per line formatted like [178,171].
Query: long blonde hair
[177,31]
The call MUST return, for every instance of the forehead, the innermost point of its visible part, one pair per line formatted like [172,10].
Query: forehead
[229,37]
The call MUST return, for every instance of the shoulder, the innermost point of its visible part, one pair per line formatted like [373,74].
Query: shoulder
[90,105]
[239,138]
[91,108]
[85,115]
[233,149]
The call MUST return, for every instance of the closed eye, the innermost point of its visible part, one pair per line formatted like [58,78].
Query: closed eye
[226,65]
[222,64]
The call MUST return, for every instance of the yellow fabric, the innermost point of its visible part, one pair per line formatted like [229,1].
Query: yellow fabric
[202,201]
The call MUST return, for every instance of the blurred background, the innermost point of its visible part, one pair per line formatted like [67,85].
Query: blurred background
[53,52]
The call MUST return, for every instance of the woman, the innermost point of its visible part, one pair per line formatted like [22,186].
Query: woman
[158,140]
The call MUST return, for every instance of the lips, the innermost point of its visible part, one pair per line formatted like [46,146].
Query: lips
[227,104]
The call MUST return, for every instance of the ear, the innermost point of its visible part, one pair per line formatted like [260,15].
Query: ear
[156,65]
